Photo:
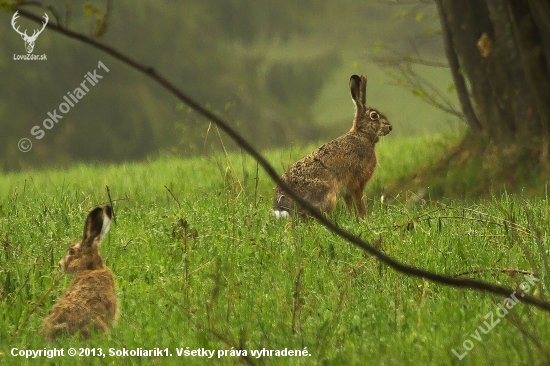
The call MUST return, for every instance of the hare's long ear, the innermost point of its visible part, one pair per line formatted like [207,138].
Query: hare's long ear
[363,90]
[358,87]
[355,89]
[97,225]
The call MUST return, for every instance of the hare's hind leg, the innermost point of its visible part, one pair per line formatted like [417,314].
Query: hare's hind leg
[357,195]
[329,203]
[322,195]
[349,203]
[353,207]
[51,331]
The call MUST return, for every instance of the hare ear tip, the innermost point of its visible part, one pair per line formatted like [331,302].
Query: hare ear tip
[108,211]
[354,80]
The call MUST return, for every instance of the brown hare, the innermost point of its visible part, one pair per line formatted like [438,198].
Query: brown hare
[341,167]
[90,301]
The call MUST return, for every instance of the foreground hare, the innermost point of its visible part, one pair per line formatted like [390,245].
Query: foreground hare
[339,167]
[90,301]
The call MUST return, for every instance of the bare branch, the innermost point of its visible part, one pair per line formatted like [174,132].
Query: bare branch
[429,93]
[224,125]
[173,196]
[405,2]
[414,82]
[111,203]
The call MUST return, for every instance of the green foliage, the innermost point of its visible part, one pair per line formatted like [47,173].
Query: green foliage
[267,19]
[101,18]
[473,169]
[6,5]
[278,71]
[205,265]
[417,66]
[195,44]
[92,11]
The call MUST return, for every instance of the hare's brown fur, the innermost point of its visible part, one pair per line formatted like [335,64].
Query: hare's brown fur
[89,303]
[341,167]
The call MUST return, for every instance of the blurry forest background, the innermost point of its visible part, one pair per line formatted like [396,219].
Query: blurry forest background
[277,70]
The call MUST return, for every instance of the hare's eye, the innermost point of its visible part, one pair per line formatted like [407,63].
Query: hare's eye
[71,251]
[374,115]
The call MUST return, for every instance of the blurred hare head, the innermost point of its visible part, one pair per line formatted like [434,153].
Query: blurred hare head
[84,254]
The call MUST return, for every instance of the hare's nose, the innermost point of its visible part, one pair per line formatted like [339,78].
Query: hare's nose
[389,127]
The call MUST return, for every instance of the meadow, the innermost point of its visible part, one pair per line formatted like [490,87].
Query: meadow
[201,264]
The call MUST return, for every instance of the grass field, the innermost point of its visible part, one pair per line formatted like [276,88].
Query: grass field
[200,263]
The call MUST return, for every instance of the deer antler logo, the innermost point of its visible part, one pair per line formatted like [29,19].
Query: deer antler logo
[29,41]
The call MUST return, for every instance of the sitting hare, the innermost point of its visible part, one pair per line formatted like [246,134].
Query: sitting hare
[339,167]
[90,301]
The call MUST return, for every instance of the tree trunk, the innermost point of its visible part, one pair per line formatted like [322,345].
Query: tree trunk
[503,51]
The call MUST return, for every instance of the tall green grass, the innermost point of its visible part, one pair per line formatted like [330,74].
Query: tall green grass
[201,263]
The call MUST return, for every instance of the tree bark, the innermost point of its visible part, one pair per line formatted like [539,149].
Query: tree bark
[458,77]
[502,47]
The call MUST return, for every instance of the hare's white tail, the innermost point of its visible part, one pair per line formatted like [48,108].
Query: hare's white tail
[281,213]
[282,205]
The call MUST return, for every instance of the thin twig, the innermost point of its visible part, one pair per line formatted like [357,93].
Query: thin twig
[426,217]
[111,202]
[511,224]
[174,197]
[502,270]
[8,244]
[297,300]
[210,329]
[397,61]
[38,303]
